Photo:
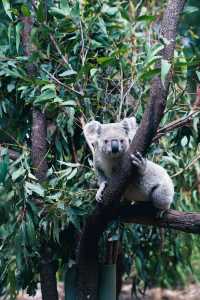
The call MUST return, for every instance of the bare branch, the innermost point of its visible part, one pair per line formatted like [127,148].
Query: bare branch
[58,49]
[175,125]
[61,83]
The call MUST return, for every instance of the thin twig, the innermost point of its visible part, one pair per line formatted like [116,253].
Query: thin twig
[188,166]
[121,93]
[61,83]
[83,54]
[58,49]
[175,124]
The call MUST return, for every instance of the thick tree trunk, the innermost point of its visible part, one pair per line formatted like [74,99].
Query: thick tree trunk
[39,163]
[40,167]
[99,219]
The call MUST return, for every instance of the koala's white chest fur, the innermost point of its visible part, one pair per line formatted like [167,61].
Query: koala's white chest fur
[111,166]
[142,188]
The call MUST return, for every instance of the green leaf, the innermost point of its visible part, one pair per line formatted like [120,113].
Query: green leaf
[64,5]
[109,10]
[3,170]
[69,164]
[93,72]
[6,5]
[41,12]
[152,54]
[60,12]
[148,75]
[73,173]
[198,75]
[190,9]
[18,32]
[105,60]
[73,217]
[46,95]
[10,87]
[68,103]
[34,188]
[30,231]
[18,173]
[165,67]
[25,10]
[50,86]
[184,141]
[68,73]
[146,18]
[138,264]
[170,160]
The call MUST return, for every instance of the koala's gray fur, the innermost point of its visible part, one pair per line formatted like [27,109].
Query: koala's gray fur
[108,143]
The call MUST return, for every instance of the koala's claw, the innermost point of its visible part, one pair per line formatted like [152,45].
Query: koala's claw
[161,213]
[99,194]
[139,161]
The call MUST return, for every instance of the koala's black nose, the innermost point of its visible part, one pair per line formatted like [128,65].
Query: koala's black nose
[115,146]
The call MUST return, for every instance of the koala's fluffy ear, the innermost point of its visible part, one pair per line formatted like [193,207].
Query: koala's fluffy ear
[91,132]
[130,126]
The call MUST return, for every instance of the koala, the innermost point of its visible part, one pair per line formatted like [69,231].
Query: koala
[109,143]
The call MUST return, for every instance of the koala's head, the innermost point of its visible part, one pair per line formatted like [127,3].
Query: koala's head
[111,139]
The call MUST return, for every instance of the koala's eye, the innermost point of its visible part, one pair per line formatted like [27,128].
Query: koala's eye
[105,141]
[121,141]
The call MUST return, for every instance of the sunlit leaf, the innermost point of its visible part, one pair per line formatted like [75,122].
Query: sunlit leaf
[6,5]
[165,68]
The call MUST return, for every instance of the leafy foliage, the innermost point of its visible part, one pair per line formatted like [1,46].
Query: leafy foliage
[94,60]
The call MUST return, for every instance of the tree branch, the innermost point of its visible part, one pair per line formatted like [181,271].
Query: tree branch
[185,121]
[146,214]
[97,222]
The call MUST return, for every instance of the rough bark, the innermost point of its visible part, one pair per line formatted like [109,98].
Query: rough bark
[39,144]
[148,215]
[99,219]
[40,167]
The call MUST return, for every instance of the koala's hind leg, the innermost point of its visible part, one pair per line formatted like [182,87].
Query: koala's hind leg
[162,197]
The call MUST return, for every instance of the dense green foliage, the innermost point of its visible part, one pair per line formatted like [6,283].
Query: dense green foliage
[94,59]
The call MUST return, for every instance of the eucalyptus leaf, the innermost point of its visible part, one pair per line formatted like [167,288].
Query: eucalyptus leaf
[68,73]
[34,188]
[7,7]
[165,68]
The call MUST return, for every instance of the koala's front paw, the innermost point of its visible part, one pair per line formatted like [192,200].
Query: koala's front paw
[99,194]
[139,161]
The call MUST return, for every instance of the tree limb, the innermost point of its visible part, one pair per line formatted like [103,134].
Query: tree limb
[146,214]
[97,222]
[185,121]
